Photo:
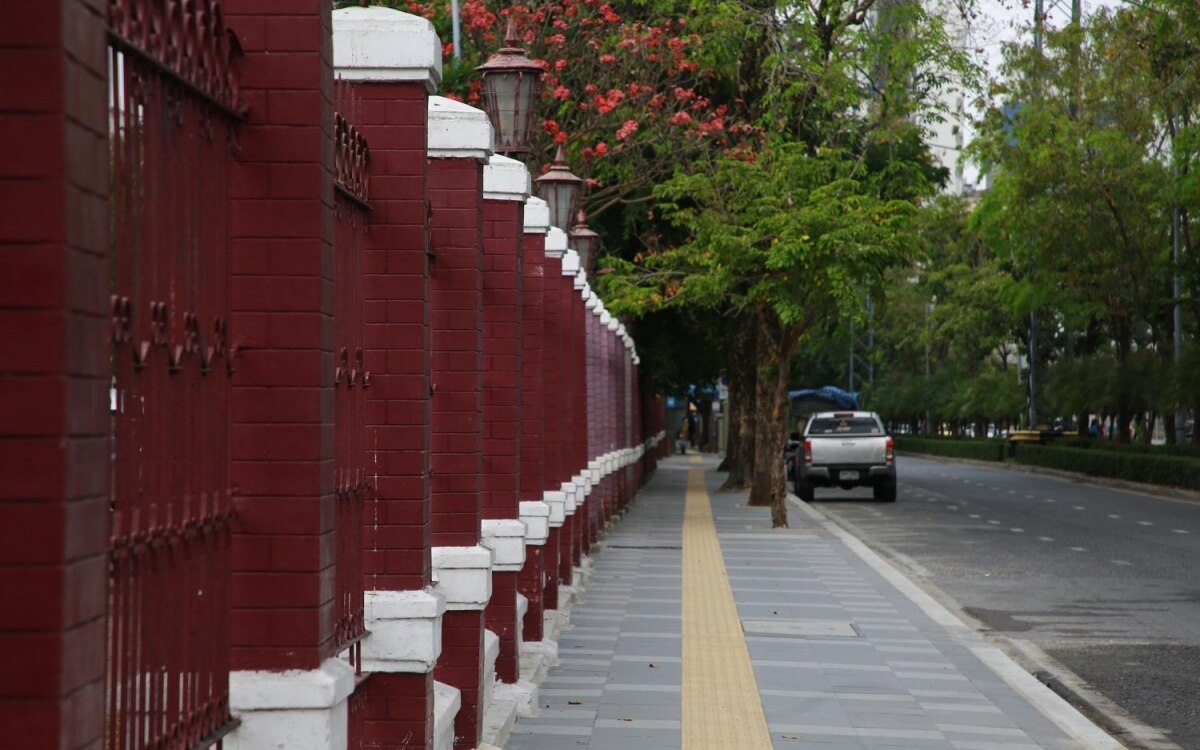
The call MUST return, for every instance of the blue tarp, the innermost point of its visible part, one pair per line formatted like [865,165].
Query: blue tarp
[836,396]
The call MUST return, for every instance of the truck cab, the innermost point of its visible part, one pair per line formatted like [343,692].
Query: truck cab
[845,449]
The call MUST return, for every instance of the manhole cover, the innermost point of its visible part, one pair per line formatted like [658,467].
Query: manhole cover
[801,628]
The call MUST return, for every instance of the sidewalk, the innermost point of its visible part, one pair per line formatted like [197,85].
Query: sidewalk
[829,647]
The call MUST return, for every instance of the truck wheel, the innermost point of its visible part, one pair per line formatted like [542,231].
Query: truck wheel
[885,493]
[804,490]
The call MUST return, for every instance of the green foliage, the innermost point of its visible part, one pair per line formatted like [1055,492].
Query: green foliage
[803,235]
[980,450]
[1130,466]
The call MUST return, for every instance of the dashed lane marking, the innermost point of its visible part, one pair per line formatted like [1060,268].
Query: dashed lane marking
[715,654]
[1045,539]
[1017,531]
[1180,531]
[1145,523]
[1113,515]
[1079,549]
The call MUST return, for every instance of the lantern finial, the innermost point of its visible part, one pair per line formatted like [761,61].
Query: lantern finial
[585,241]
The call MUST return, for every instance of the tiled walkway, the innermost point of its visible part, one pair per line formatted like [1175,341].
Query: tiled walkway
[846,652]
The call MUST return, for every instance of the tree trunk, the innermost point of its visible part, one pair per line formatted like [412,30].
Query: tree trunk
[768,486]
[740,452]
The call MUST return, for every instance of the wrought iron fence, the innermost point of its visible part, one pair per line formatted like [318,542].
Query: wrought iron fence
[172,128]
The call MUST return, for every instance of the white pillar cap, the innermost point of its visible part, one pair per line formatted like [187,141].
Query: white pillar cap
[580,279]
[556,243]
[605,318]
[570,264]
[592,303]
[612,324]
[505,179]
[537,216]
[458,131]
[464,576]
[506,539]
[385,45]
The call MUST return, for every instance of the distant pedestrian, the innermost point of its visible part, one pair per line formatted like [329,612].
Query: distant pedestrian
[1094,428]
[1139,432]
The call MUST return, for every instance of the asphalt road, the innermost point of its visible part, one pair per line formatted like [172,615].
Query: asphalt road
[1107,582]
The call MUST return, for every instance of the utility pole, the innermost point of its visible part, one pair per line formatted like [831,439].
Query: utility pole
[1039,18]
[1177,290]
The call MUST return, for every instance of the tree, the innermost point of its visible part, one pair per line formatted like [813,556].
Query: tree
[786,239]
[1079,192]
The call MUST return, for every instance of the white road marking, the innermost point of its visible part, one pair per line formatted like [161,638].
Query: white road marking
[1051,500]
[1017,531]
[1078,507]
[1012,492]
[975,515]
[997,523]
[1121,562]
[1029,497]
[1145,523]
[1045,539]
[1181,531]
[1113,515]
[1079,549]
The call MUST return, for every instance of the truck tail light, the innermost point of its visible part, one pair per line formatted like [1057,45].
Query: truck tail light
[891,451]
[808,453]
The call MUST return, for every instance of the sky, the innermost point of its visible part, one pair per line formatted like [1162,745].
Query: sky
[998,22]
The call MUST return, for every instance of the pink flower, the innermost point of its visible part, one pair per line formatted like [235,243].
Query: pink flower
[601,148]
[562,93]
[681,118]
[607,59]
[627,129]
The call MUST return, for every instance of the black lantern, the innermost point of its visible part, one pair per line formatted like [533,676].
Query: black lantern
[511,82]
[585,241]
[559,188]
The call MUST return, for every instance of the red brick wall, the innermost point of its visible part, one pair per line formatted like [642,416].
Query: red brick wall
[456,237]
[397,711]
[503,240]
[461,665]
[502,349]
[529,581]
[281,411]
[54,373]
[392,118]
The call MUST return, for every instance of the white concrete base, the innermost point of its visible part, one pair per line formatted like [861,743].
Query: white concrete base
[522,611]
[498,717]
[292,709]
[405,631]
[523,695]
[491,652]
[446,702]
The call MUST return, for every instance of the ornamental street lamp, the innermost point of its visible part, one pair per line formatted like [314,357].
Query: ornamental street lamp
[560,189]
[585,241]
[511,82]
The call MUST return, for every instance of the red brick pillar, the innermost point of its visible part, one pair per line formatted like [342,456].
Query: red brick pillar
[393,60]
[505,189]
[593,376]
[568,354]
[579,416]
[54,446]
[282,438]
[534,512]
[460,143]
[553,366]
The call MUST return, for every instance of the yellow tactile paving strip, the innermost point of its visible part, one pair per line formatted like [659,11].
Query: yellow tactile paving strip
[721,706]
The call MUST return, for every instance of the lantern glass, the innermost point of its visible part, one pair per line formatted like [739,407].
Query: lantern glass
[560,197]
[511,84]
[585,241]
[509,98]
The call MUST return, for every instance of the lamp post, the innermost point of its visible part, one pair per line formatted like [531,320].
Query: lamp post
[560,189]
[511,83]
[585,241]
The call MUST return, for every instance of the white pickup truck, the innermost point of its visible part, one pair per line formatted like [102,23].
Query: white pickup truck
[845,449]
